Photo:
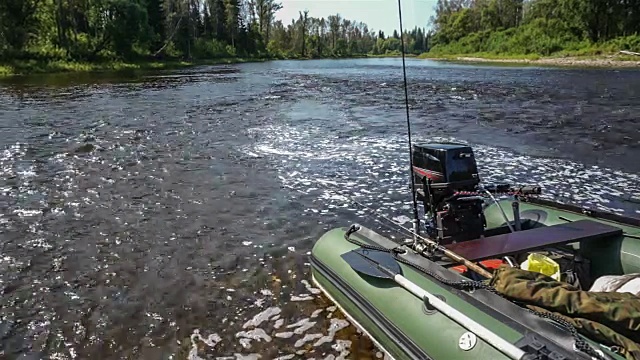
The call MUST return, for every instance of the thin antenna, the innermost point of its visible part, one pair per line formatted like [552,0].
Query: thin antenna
[416,223]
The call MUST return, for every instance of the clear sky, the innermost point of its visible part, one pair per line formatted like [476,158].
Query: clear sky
[378,14]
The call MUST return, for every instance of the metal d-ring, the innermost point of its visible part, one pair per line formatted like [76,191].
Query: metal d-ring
[429,309]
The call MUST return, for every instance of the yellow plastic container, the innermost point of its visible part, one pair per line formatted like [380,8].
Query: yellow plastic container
[543,264]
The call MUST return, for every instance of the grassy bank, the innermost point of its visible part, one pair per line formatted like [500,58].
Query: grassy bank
[539,40]
[25,67]
[561,59]
[390,54]
[479,55]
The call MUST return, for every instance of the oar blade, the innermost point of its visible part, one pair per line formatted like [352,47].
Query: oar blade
[375,263]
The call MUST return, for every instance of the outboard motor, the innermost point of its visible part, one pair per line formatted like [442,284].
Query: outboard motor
[449,177]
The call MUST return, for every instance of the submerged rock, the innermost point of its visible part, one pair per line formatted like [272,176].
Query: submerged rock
[85,148]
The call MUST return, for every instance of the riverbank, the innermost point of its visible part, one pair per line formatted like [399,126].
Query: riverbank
[27,67]
[30,67]
[601,61]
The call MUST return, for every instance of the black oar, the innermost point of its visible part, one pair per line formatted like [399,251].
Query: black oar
[382,265]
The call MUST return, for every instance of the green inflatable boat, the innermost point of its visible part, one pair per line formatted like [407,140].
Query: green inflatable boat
[464,288]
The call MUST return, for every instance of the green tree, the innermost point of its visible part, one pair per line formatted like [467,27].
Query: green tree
[304,27]
[18,22]
[519,26]
[232,19]
[129,29]
[127,26]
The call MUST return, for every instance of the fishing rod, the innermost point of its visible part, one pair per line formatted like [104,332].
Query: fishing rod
[375,212]
[416,217]
[374,215]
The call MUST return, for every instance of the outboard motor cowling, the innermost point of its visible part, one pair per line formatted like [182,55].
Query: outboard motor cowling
[449,177]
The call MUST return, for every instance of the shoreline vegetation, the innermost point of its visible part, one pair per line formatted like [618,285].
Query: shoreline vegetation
[32,67]
[35,67]
[594,61]
[539,32]
[45,36]
[50,36]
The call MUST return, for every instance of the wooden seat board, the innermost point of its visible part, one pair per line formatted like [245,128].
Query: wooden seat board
[528,240]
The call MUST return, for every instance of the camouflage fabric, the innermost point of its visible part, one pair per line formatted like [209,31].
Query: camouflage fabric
[608,317]
[600,333]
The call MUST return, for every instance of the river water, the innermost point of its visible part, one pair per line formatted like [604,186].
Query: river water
[170,215]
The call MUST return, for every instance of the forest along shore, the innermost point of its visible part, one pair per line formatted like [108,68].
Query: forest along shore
[104,35]
[547,32]
[57,36]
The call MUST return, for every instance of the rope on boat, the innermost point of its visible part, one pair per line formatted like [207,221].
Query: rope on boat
[374,215]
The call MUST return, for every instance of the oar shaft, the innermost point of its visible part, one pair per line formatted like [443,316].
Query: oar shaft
[473,266]
[482,332]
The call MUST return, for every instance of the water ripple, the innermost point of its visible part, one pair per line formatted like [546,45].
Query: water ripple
[171,215]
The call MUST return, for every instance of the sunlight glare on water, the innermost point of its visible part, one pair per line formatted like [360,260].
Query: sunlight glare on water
[171,215]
